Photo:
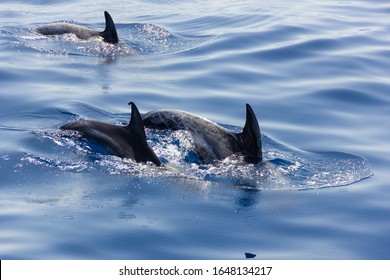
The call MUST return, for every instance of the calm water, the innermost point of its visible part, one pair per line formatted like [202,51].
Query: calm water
[316,74]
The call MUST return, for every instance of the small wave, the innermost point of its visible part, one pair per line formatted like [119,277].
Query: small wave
[349,96]
[61,165]
[151,39]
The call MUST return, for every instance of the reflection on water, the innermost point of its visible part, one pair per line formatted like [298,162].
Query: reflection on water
[315,73]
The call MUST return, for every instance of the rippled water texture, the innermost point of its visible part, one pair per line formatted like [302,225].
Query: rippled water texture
[315,73]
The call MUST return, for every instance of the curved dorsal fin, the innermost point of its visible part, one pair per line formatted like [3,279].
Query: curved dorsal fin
[109,34]
[136,125]
[251,137]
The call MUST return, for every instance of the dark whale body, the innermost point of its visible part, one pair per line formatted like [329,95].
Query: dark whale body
[109,34]
[122,141]
[212,141]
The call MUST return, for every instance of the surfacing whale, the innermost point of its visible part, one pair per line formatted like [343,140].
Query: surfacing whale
[212,141]
[122,141]
[109,34]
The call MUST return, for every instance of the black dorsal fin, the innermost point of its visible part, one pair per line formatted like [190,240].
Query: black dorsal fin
[109,34]
[251,138]
[136,125]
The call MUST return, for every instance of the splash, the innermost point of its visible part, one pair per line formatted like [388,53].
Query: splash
[285,168]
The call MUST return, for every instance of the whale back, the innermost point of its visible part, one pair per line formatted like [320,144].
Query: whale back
[212,141]
[122,141]
[64,28]
[109,34]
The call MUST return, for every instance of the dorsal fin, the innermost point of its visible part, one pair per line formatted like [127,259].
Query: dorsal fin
[251,138]
[109,34]
[136,125]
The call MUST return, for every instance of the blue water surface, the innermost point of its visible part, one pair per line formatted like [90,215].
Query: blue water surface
[315,73]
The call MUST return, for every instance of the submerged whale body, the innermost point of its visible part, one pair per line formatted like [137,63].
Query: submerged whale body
[109,34]
[212,141]
[122,141]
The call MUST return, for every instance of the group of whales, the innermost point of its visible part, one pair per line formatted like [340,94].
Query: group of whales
[212,141]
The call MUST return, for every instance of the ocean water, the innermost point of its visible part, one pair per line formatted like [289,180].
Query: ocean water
[315,73]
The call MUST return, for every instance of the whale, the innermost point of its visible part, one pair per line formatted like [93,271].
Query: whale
[123,141]
[212,142]
[109,34]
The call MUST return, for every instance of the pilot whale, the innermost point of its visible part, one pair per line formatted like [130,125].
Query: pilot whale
[109,34]
[212,141]
[122,141]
